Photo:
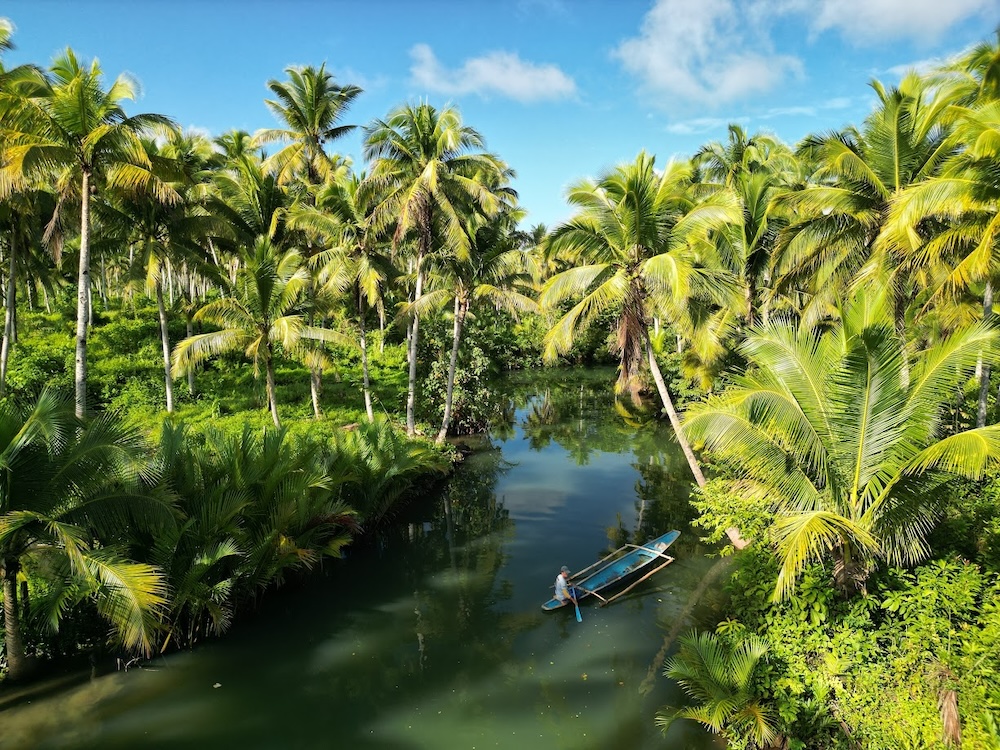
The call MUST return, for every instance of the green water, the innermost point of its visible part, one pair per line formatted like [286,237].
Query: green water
[432,636]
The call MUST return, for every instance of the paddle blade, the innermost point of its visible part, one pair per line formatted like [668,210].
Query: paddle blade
[579,618]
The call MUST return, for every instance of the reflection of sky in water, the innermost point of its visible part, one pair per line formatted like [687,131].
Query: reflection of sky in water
[422,642]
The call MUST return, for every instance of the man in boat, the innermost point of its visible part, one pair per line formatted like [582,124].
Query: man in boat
[563,589]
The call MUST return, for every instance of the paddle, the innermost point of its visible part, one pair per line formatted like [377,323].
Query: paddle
[578,617]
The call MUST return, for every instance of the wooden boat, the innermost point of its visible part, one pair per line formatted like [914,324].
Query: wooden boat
[624,564]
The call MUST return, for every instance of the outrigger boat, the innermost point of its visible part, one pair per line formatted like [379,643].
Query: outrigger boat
[625,563]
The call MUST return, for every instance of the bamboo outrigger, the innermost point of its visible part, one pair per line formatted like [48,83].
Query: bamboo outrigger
[616,568]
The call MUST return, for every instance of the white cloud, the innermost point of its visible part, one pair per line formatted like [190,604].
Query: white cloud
[502,73]
[709,52]
[877,20]
[701,125]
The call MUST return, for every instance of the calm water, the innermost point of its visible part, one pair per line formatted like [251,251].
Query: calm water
[432,636]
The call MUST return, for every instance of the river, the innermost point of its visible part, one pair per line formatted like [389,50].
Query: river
[431,634]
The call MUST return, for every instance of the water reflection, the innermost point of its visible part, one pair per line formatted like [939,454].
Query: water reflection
[432,636]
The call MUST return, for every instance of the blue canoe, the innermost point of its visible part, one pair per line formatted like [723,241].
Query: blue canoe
[632,562]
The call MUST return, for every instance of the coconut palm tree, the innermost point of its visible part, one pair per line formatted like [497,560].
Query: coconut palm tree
[160,237]
[496,271]
[353,261]
[635,243]
[834,222]
[77,132]
[850,452]
[67,490]
[310,104]
[426,167]
[721,677]
[262,314]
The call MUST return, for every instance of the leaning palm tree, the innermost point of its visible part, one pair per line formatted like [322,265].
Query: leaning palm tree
[310,104]
[849,451]
[262,314]
[66,490]
[427,165]
[77,133]
[635,243]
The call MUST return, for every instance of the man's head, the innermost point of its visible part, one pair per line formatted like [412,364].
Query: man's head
[565,571]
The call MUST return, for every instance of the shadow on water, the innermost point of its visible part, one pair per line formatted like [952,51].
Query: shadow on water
[431,634]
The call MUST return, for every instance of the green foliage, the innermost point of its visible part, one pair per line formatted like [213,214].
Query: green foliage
[723,504]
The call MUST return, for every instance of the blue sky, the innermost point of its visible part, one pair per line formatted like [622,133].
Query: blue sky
[561,89]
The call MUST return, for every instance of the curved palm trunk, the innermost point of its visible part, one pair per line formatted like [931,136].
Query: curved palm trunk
[272,397]
[984,376]
[411,389]
[364,358]
[733,533]
[16,661]
[8,326]
[83,300]
[461,308]
[168,379]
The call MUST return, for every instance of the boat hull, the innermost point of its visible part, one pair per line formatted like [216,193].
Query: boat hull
[620,569]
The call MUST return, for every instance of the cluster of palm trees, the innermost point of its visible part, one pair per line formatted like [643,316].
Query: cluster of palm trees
[280,254]
[851,280]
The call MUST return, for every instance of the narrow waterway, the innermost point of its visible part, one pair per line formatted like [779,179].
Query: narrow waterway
[432,636]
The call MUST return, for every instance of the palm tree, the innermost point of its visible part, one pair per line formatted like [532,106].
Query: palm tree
[722,678]
[849,451]
[78,132]
[67,490]
[835,221]
[310,104]
[352,263]
[427,166]
[635,244]
[160,236]
[264,312]
[951,219]
[495,271]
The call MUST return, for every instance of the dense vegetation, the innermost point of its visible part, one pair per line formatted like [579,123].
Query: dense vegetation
[816,323]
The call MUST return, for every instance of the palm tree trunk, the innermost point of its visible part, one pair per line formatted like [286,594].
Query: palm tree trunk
[168,380]
[8,326]
[733,533]
[364,357]
[190,333]
[984,377]
[460,310]
[381,328]
[272,391]
[411,389]
[16,660]
[315,386]
[83,300]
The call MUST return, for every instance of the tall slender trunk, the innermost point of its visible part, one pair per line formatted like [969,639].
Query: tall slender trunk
[315,387]
[17,664]
[168,379]
[272,391]
[83,300]
[411,389]
[364,357]
[381,328]
[984,378]
[190,333]
[460,310]
[668,405]
[8,325]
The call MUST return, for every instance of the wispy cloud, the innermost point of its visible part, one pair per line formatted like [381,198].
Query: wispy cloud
[704,53]
[698,125]
[877,20]
[500,73]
